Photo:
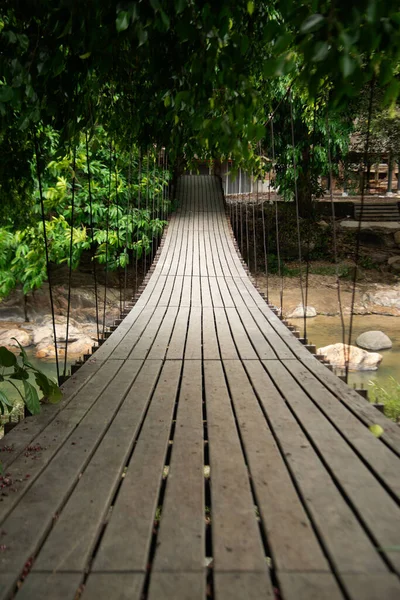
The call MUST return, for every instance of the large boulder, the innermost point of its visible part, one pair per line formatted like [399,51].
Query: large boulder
[7,335]
[374,340]
[46,349]
[45,332]
[397,238]
[359,360]
[298,312]
[387,297]
[394,264]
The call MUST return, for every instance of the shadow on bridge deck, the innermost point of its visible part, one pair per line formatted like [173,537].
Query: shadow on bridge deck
[202,452]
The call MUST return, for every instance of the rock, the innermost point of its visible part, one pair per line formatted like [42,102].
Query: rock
[45,332]
[359,360]
[397,238]
[374,340]
[394,264]
[22,336]
[388,297]
[81,346]
[298,312]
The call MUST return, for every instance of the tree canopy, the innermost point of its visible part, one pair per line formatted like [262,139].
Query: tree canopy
[195,76]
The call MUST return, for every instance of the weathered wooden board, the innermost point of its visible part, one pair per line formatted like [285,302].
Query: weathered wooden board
[202,430]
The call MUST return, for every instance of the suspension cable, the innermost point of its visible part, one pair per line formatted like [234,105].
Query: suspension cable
[357,253]
[93,251]
[334,236]
[278,245]
[107,239]
[71,241]
[117,220]
[39,176]
[296,195]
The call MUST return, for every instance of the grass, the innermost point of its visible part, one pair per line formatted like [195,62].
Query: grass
[389,395]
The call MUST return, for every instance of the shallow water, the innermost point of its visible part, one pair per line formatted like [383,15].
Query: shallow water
[46,365]
[322,331]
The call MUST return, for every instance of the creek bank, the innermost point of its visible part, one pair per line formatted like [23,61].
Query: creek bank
[28,319]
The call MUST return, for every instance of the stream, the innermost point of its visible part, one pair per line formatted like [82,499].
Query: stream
[322,331]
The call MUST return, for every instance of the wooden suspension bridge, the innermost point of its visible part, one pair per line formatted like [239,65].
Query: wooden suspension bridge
[202,452]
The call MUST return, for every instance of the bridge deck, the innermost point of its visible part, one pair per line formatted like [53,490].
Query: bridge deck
[202,452]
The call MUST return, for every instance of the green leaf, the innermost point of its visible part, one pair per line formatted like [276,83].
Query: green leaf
[85,56]
[165,19]
[312,23]
[250,8]
[155,4]
[142,35]
[6,93]
[19,373]
[180,6]
[50,390]
[7,358]
[376,430]
[348,65]
[122,21]
[6,401]
[320,51]
[31,398]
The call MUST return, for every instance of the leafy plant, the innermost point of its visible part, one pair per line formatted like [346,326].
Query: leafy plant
[389,395]
[12,371]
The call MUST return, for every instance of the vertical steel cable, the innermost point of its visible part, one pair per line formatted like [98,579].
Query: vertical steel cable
[265,233]
[39,176]
[147,204]
[278,245]
[128,237]
[138,217]
[93,252]
[334,235]
[297,205]
[254,231]
[107,239]
[247,231]
[71,241]
[357,253]
[118,236]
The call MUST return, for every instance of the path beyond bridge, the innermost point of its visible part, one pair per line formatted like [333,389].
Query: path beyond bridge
[202,452]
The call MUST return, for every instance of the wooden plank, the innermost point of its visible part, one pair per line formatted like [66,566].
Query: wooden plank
[343,538]
[310,586]
[232,504]
[177,586]
[225,340]
[227,299]
[196,293]
[114,586]
[180,543]
[126,541]
[293,543]
[243,586]
[56,586]
[177,291]
[145,342]
[380,458]
[210,342]
[259,341]
[51,490]
[215,293]
[242,341]
[206,300]
[279,346]
[161,341]
[371,586]
[74,535]
[25,432]
[356,404]
[127,343]
[377,510]
[51,438]
[193,349]
[186,292]
[177,342]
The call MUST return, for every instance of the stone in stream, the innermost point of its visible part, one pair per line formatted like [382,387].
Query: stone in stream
[359,360]
[374,340]
[7,335]
[298,312]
